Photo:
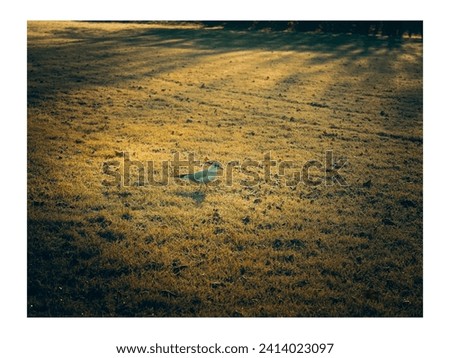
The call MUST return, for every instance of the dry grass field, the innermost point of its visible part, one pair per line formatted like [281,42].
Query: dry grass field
[105,96]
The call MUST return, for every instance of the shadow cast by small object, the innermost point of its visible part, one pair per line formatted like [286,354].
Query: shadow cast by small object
[197,196]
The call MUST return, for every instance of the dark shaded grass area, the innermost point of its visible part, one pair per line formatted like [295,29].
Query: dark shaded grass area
[69,276]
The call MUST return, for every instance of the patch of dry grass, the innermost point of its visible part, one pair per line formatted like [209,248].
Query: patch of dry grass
[96,90]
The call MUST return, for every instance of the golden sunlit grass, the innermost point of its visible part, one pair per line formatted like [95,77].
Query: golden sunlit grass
[96,90]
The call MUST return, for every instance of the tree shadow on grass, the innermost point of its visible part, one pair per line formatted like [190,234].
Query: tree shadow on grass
[85,56]
[72,58]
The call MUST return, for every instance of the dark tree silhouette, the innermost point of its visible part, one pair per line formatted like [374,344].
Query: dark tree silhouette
[392,29]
